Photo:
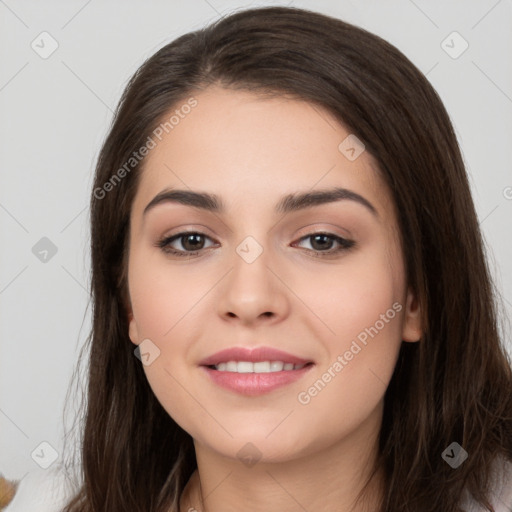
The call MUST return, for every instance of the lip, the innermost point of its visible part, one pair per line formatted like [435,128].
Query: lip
[253,355]
[252,384]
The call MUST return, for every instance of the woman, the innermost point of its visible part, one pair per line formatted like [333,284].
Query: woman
[283,230]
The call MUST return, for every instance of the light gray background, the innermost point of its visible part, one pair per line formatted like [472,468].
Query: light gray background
[55,113]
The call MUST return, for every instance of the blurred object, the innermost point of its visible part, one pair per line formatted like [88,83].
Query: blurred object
[42,490]
[7,491]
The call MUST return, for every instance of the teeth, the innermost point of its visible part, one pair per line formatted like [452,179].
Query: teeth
[258,367]
[244,367]
[261,367]
[231,366]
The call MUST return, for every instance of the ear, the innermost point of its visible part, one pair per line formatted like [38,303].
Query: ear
[133,331]
[411,329]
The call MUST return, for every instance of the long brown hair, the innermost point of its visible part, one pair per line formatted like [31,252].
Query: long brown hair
[455,385]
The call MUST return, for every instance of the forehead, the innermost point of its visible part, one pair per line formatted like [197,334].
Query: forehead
[241,146]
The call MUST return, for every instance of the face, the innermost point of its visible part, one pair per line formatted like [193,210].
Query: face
[323,281]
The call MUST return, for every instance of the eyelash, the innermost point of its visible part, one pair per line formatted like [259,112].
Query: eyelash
[164,243]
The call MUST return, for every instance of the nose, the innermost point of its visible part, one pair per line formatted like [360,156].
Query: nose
[253,292]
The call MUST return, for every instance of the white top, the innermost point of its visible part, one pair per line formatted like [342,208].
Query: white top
[44,490]
[502,496]
[48,491]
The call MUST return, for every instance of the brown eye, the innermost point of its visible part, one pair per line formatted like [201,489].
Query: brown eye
[191,242]
[322,243]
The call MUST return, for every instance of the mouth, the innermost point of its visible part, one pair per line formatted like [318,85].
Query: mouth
[256,367]
[252,372]
[254,382]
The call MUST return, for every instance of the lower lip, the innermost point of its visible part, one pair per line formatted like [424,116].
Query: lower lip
[255,383]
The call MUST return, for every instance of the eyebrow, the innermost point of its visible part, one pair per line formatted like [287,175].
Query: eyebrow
[288,203]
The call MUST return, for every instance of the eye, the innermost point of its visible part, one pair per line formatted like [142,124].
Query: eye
[322,243]
[191,241]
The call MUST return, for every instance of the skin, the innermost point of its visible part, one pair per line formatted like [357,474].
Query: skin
[250,151]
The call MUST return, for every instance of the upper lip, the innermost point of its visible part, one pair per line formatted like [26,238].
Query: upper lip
[253,355]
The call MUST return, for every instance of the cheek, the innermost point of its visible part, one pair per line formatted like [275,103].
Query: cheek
[162,295]
[166,304]
[362,316]
[351,297]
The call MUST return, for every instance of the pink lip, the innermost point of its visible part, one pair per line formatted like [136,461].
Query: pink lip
[253,355]
[255,383]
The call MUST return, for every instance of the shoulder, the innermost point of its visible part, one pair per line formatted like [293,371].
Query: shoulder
[42,490]
[501,497]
